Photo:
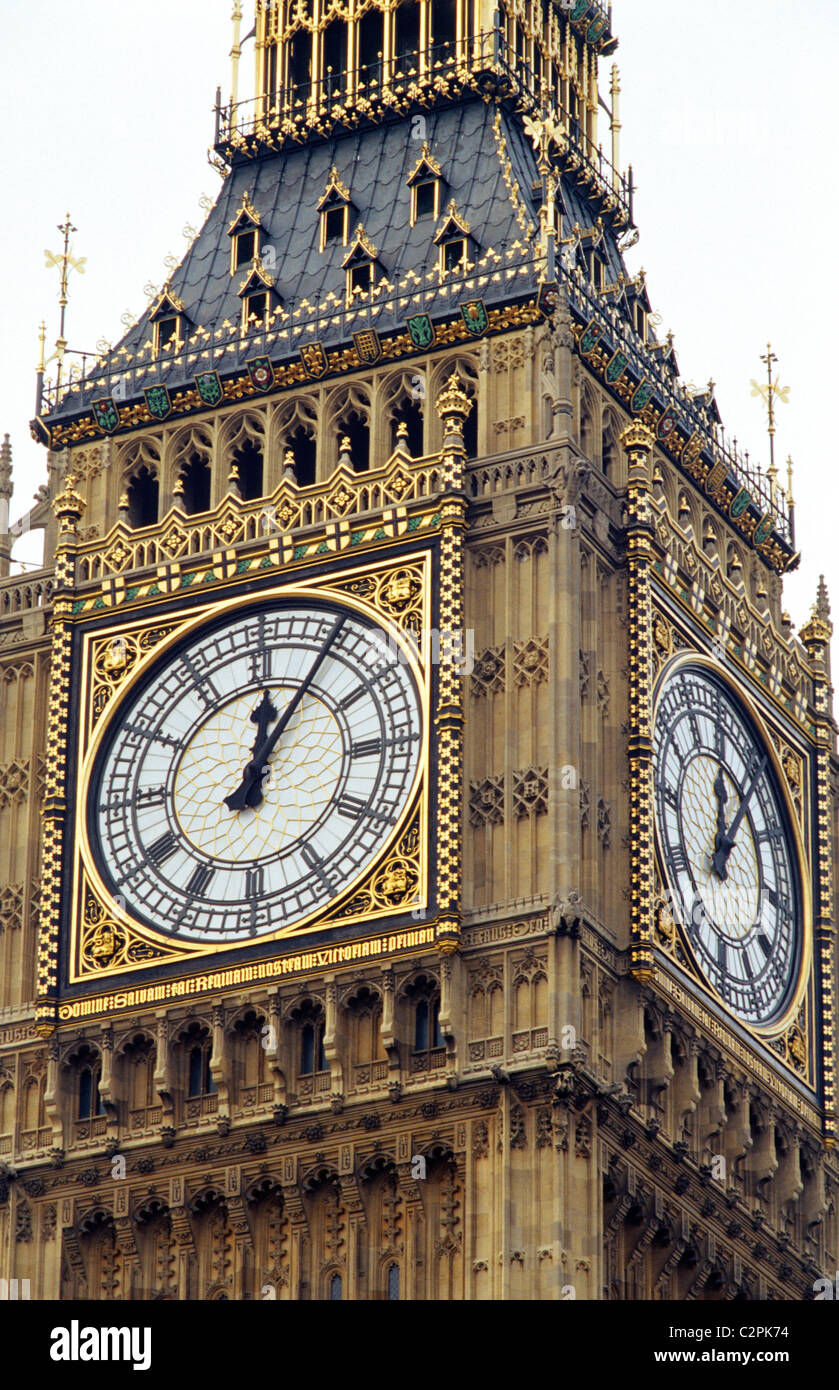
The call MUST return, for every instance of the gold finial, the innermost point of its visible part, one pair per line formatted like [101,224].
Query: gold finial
[69,506]
[453,404]
[402,430]
[289,459]
[790,498]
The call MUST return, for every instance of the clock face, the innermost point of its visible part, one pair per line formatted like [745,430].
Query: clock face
[257,772]
[727,845]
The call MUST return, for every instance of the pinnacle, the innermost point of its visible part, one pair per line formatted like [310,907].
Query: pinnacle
[822,608]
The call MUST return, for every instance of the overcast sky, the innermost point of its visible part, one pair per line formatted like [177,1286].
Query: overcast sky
[726,108]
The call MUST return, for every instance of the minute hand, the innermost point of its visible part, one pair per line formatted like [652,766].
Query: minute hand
[249,791]
[725,841]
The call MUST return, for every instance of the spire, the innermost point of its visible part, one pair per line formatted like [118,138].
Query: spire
[5,498]
[822,606]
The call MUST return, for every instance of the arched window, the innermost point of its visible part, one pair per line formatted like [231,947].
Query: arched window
[304,448]
[143,498]
[311,1048]
[248,460]
[393,1283]
[427,1024]
[90,1101]
[300,63]
[355,428]
[334,55]
[195,481]
[336,1287]
[370,47]
[200,1080]
[407,34]
[409,414]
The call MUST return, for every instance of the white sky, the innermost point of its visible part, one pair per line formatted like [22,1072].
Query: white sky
[726,110]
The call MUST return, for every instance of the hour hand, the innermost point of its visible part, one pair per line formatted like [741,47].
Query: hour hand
[720,854]
[249,791]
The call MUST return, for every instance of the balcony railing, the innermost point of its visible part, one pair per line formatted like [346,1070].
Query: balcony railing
[650,362]
[484,61]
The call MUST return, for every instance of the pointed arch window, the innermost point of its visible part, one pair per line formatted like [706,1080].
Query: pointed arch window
[143,498]
[393,1283]
[427,1024]
[336,1288]
[199,1077]
[90,1101]
[312,1054]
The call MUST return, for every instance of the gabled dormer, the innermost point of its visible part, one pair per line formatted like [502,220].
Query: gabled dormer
[259,298]
[427,187]
[169,321]
[455,240]
[335,208]
[362,265]
[245,232]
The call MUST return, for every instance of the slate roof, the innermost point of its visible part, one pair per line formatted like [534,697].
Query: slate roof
[285,189]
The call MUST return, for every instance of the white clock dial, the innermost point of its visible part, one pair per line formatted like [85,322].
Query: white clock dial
[727,845]
[256,772]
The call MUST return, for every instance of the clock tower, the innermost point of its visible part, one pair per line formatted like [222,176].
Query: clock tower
[417,811]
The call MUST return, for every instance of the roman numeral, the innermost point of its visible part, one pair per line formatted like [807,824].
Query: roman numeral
[153,734]
[202,684]
[254,883]
[368,748]
[155,796]
[771,833]
[678,860]
[352,807]
[722,956]
[200,881]
[765,944]
[349,700]
[163,848]
[316,865]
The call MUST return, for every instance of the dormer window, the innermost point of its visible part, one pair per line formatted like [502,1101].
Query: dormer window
[425,199]
[456,243]
[166,332]
[360,266]
[596,268]
[258,296]
[245,234]
[244,248]
[335,226]
[360,279]
[256,307]
[334,208]
[453,254]
[168,321]
[426,185]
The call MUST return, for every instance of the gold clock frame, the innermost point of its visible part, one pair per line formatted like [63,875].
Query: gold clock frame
[105,941]
[783,1022]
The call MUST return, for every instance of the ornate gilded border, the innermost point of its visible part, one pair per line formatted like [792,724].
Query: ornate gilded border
[106,941]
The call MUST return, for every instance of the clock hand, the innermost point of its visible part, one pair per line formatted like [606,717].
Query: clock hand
[249,791]
[726,839]
[722,798]
[263,715]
